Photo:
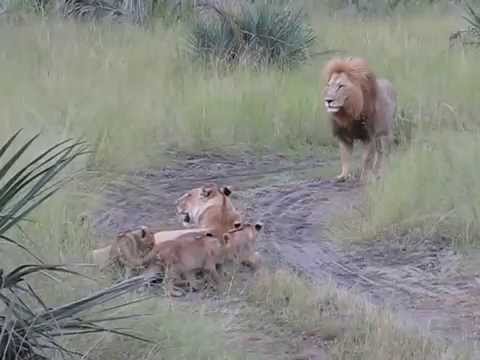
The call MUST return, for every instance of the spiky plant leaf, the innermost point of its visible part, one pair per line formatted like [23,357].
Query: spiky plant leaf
[29,329]
[472,17]
[259,33]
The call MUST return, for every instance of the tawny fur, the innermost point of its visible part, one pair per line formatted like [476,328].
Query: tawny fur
[209,207]
[128,250]
[240,244]
[361,107]
[189,253]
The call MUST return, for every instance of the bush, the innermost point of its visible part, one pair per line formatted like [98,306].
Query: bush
[260,33]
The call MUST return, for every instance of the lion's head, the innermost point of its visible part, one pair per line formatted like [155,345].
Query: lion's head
[191,205]
[142,236]
[240,243]
[351,88]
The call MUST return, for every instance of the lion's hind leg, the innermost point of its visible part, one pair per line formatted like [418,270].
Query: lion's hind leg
[369,152]
[383,149]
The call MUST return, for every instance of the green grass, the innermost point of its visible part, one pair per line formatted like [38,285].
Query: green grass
[348,327]
[132,94]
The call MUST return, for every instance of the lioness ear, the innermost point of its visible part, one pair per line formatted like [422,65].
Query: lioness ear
[226,190]
[258,226]
[206,191]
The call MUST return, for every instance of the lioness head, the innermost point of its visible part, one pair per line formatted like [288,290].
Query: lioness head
[191,204]
[349,84]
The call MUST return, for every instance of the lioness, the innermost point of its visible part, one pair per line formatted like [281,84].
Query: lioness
[240,243]
[188,254]
[127,251]
[362,107]
[208,206]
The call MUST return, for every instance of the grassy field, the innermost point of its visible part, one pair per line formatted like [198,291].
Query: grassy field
[133,95]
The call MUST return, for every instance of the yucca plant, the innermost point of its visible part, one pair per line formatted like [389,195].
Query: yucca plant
[472,17]
[29,329]
[260,33]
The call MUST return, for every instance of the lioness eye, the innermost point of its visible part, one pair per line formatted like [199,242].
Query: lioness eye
[340,86]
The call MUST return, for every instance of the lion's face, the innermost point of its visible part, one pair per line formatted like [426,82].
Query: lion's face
[191,204]
[342,94]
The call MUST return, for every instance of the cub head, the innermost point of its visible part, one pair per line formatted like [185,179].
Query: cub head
[351,87]
[191,204]
[142,235]
[242,233]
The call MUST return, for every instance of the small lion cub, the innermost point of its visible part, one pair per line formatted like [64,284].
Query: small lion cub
[129,249]
[189,253]
[240,244]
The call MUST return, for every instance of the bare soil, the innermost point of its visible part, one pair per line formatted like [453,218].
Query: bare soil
[419,278]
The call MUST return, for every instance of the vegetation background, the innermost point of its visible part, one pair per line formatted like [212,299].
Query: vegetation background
[139,81]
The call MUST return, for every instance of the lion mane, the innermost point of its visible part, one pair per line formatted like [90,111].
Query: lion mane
[362,104]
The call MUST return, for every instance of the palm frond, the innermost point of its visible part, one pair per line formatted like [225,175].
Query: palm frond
[24,190]
[30,334]
[29,328]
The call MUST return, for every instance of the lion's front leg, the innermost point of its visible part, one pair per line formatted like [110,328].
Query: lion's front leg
[346,150]
[368,159]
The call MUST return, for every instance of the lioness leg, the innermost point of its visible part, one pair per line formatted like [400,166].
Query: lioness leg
[346,150]
[368,158]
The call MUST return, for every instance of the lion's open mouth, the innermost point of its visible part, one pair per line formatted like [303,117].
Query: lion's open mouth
[186,218]
[331,108]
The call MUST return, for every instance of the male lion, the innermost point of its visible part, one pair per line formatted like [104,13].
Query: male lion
[363,108]
[127,251]
[208,206]
[240,243]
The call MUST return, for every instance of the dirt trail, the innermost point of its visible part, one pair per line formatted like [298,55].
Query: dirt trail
[418,279]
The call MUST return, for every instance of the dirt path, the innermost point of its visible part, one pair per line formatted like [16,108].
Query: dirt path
[418,279]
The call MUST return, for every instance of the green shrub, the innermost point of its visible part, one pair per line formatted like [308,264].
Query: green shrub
[260,33]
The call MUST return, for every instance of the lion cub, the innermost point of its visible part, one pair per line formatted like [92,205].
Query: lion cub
[240,244]
[129,249]
[189,253]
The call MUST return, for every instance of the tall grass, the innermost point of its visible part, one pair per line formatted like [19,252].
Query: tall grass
[349,328]
[133,93]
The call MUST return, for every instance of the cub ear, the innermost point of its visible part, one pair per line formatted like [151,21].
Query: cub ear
[226,238]
[227,190]
[258,226]
[144,231]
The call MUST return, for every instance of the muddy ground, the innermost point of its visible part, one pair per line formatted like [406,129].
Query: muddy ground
[419,278]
